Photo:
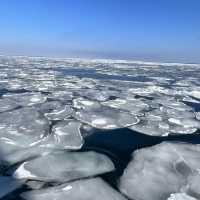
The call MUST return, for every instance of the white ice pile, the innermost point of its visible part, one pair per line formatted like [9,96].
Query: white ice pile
[157,172]
[62,166]
[94,189]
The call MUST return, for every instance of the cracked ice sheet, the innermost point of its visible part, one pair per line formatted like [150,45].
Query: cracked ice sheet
[8,185]
[94,189]
[162,170]
[62,166]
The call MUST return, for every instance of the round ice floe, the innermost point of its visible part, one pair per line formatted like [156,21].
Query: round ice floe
[162,170]
[106,118]
[94,189]
[24,127]
[62,166]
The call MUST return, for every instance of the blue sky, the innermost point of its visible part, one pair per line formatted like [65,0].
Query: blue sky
[166,30]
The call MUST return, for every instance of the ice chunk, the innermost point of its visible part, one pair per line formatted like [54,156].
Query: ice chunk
[187,123]
[24,127]
[62,166]
[162,170]
[82,103]
[21,154]
[55,110]
[8,185]
[60,113]
[195,94]
[152,126]
[102,117]
[106,118]
[65,135]
[198,115]
[94,189]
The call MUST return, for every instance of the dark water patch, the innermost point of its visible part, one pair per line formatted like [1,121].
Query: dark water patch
[195,106]
[15,195]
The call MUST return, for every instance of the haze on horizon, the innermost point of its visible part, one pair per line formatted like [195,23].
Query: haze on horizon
[123,29]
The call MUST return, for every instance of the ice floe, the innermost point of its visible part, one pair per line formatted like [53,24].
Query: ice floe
[94,189]
[24,127]
[162,170]
[62,166]
[65,135]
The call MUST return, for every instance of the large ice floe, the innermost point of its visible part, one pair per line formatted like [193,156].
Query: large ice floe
[102,117]
[157,172]
[94,189]
[80,120]
[63,166]
[23,127]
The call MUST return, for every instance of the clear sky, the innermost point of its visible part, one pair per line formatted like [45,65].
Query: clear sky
[167,30]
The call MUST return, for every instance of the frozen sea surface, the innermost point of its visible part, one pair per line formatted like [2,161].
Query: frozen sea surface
[99,129]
